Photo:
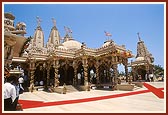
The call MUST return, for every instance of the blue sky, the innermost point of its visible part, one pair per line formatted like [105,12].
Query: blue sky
[89,21]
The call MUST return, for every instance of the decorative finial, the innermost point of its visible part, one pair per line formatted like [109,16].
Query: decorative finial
[66,30]
[139,37]
[54,21]
[38,20]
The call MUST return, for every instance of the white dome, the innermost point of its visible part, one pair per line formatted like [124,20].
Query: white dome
[139,58]
[23,23]
[62,47]
[106,44]
[72,44]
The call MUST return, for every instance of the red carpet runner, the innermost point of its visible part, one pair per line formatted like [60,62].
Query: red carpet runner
[159,93]
[33,104]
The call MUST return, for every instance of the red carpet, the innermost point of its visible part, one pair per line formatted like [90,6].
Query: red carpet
[33,104]
[159,93]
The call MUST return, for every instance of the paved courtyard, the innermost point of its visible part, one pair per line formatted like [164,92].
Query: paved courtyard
[141,100]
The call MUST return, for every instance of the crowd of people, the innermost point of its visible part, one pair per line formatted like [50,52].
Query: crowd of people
[12,89]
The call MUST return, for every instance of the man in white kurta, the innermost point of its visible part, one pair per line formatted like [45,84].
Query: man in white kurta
[9,95]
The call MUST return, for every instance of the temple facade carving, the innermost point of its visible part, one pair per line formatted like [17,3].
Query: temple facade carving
[67,61]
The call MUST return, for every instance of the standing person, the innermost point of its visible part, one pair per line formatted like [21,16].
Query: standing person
[21,81]
[16,84]
[9,94]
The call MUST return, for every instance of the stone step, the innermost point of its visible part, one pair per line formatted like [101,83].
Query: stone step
[39,88]
[80,88]
[125,87]
[71,88]
[138,84]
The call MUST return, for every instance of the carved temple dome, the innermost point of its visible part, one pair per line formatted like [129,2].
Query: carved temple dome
[107,43]
[62,47]
[9,16]
[139,59]
[72,44]
[21,23]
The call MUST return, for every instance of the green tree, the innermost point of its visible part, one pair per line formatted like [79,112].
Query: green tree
[158,70]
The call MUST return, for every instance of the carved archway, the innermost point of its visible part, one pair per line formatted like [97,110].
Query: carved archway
[66,72]
[92,71]
[141,71]
[70,75]
[104,75]
[80,73]
[52,76]
[92,78]
[40,75]
[61,74]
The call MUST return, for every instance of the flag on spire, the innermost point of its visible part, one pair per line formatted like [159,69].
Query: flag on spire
[67,29]
[107,33]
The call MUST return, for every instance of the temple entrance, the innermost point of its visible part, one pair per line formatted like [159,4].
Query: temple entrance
[111,75]
[104,74]
[142,73]
[92,75]
[70,75]
[80,74]
[40,76]
[52,76]
[61,75]
[66,75]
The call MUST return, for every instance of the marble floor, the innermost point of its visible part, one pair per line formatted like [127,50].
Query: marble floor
[140,100]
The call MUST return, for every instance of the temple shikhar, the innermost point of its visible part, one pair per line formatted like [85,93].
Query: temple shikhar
[143,64]
[67,61]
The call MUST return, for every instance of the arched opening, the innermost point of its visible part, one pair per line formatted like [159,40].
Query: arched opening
[80,74]
[121,72]
[66,74]
[40,78]
[104,74]
[92,75]
[52,76]
[142,72]
[70,75]
[61,75]
[111,75]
